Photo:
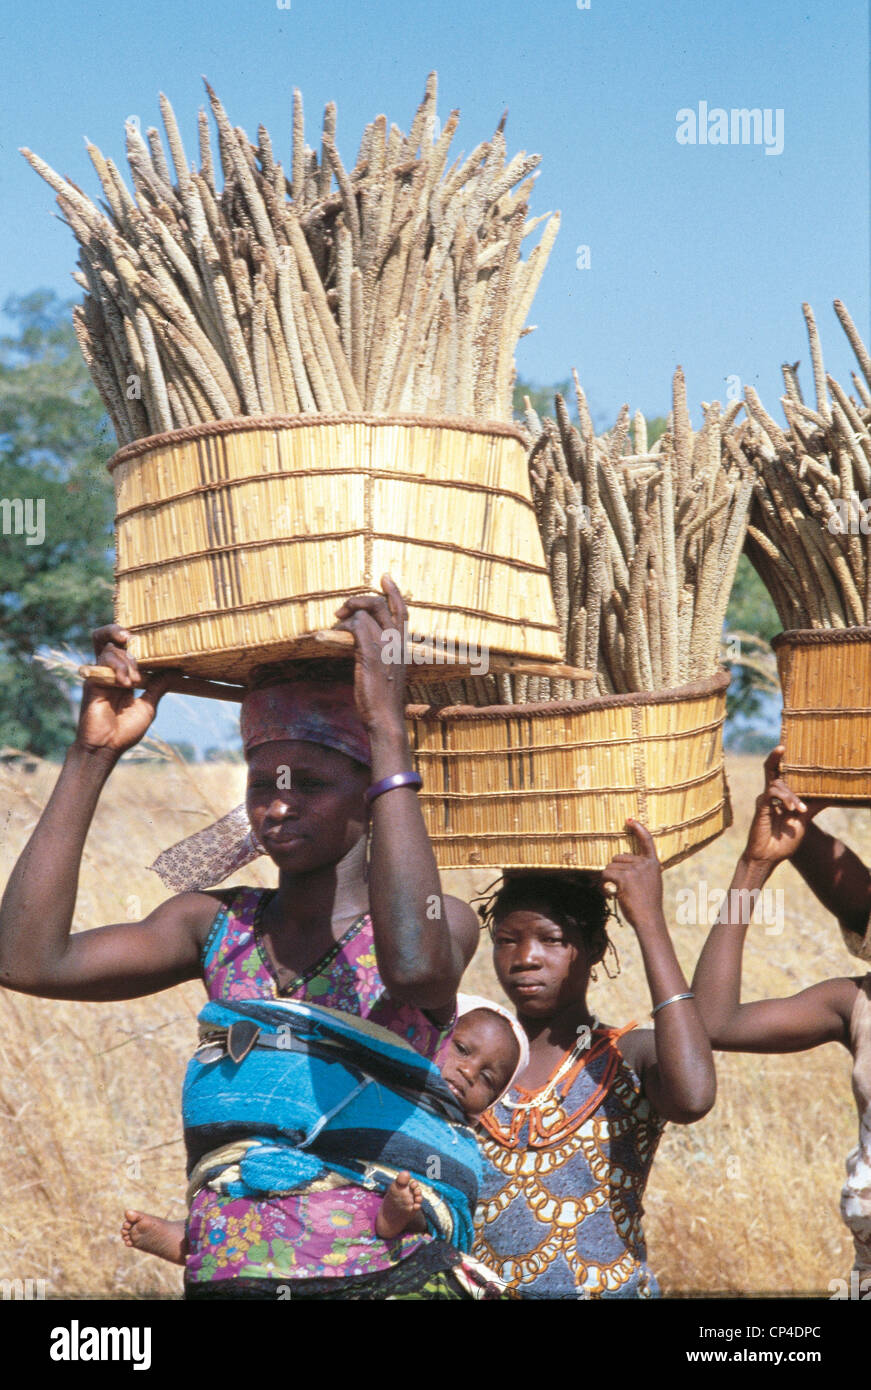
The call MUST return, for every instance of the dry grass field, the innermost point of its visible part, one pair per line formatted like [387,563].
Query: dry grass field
[745,1202]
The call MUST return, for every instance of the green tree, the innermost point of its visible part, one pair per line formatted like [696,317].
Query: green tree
[750,605]
[751,622]
[656,426]
[541,397]
[223,754]
[541,400]
[185,750]
[55,577]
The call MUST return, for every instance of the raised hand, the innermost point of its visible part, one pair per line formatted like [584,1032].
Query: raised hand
[637,879]
[781,817]
[379,683]
[111,718]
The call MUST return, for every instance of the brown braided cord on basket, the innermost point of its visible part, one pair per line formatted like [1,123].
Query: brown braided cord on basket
[716,683]
[218,483]
[820,637]
[239,423]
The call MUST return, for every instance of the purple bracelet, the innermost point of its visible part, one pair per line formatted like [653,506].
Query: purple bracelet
[399,779]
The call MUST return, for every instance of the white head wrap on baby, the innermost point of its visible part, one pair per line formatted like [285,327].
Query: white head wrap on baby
[468,1003]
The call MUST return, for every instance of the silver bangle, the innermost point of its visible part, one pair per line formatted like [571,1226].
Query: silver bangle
[673,1000]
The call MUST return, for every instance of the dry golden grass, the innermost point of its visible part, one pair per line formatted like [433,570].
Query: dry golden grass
[744,1202]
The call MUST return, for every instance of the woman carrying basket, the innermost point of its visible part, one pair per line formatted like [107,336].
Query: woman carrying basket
[383,949]
[836,1010]
[567,1151]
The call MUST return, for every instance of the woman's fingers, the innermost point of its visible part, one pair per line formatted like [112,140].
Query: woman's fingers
[126,670]
[363,624]
[644,838]
[395,602]
[112,632]
[109,648]
[612,873]
[772,763]
[779,791]
[374,604]
[389,609]
[154,690]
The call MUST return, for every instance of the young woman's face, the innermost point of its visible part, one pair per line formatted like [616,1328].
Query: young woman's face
[541,966]
[305,803]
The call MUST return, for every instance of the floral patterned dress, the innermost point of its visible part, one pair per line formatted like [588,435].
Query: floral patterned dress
[327,1231]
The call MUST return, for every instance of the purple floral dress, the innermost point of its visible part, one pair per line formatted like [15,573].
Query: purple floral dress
[323,1231]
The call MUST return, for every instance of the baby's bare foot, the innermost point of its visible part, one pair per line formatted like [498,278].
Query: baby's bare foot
[401,1202]
[154,1235]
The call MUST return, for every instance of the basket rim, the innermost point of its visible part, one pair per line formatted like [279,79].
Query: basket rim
[240,424]
[680,855]
[711,685]
[820,636]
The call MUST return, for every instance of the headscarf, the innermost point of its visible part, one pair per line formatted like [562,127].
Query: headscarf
[468,1003]
[299,708]
[307,711]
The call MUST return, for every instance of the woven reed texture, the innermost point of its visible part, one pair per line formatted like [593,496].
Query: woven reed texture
[233,544]
[826,727]
[551,786]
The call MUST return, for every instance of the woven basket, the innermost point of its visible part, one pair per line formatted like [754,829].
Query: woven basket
[237,539]
[552,785]
[825,676]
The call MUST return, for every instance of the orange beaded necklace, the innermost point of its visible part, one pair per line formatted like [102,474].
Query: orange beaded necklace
[543,1103]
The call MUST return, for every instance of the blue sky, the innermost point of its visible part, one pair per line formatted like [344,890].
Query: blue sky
[699,254]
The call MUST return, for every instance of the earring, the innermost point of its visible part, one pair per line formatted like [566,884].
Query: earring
[611,950]
[593,976]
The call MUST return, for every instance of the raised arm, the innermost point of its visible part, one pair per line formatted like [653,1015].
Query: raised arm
[673,1059]
[38,954]
[836,876]
[816,1015]
[423,940]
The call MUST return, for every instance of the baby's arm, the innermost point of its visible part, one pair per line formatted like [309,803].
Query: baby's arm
[400,1211]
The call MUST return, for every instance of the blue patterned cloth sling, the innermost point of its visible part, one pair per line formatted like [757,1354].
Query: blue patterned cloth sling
[281,1095]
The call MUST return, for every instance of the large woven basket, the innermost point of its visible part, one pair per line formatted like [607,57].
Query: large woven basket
[236,540]
[552,785]
[825,676]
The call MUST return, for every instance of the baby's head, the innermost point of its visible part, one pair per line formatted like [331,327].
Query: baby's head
[480,1059]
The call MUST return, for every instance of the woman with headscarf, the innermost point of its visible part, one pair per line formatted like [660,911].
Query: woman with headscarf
[326,761]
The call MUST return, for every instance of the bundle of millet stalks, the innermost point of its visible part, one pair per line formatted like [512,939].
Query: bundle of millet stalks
[393,287]
[810,526]
[642,543]
[642,546]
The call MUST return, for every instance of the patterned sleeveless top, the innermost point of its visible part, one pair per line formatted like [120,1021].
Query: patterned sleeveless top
[326,1230]
[559,1214]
